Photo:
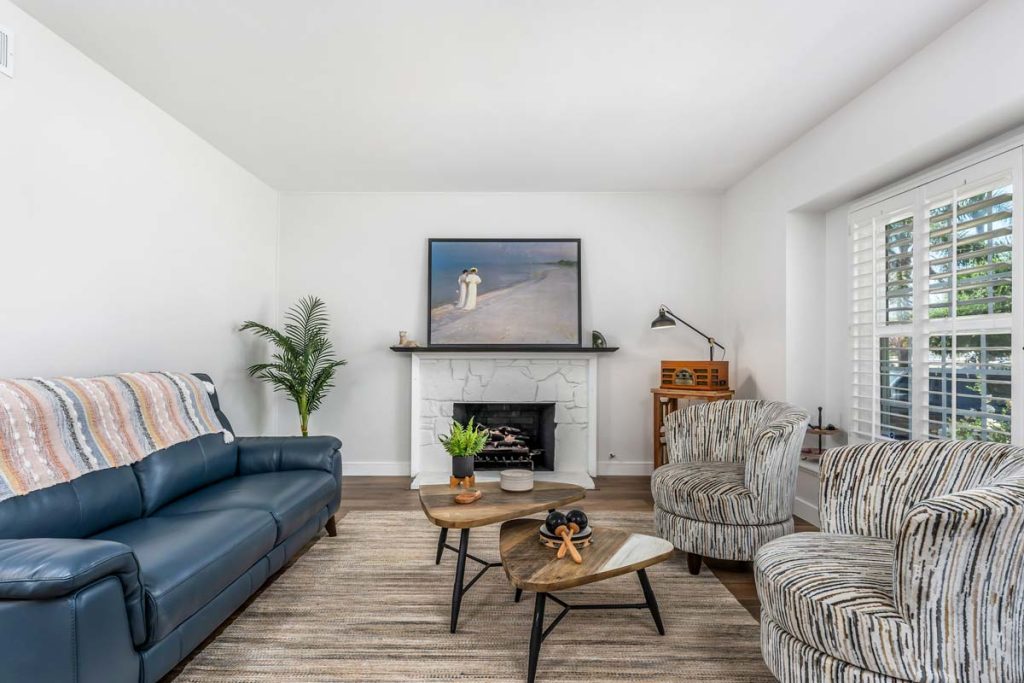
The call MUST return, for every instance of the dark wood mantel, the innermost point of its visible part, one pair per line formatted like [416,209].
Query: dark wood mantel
[486,348]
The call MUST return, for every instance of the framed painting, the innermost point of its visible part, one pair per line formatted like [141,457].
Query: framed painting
[504,292]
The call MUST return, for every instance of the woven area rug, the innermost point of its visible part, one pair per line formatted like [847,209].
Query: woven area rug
[371,605]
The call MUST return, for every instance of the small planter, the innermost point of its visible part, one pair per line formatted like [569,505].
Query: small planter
[462,466]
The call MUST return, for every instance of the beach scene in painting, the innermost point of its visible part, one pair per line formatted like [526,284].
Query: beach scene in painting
[504,292]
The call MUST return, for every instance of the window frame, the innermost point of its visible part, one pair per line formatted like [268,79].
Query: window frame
[866,225]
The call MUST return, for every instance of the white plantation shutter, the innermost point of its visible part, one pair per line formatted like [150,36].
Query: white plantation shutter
[882,287]
[936,320]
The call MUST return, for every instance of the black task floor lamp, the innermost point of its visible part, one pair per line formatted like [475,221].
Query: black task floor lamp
[709,375]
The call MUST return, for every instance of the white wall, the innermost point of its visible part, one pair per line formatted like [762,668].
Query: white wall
[366,255]
[903,123]
[126,241]
[805,309]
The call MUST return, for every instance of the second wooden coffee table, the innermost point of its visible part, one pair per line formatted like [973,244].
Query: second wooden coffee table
[438,503]
[533,566]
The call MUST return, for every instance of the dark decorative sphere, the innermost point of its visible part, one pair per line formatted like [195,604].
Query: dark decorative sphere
[555,520]
[579,518]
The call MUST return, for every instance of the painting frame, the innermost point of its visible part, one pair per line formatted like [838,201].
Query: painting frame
[471,345]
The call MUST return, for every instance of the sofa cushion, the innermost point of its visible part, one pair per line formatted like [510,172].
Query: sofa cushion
[705,491]
[186,560]
[293,497]
[834,593]
[171,473]
[75,509]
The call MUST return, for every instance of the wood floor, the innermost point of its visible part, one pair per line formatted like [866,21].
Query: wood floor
[612,494]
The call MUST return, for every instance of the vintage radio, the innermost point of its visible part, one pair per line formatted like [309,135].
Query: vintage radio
[700,375]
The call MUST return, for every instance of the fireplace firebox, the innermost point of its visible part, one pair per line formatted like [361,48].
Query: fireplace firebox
[521,435]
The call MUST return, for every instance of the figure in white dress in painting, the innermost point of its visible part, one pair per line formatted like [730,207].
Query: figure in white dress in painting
[462,289]
[472,280]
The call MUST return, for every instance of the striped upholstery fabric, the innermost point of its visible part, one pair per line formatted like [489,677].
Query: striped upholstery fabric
[729,483]
[869,489]
[834,593]
[922,585]
[724,541]
[711,491]
[801,662]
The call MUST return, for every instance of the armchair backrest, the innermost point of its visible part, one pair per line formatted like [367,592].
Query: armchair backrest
[869,489]
[722,431]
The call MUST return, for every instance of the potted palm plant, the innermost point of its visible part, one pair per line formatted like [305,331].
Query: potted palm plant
[463,442]
[303,365]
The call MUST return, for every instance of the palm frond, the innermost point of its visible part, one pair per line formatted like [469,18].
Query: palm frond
[304,364]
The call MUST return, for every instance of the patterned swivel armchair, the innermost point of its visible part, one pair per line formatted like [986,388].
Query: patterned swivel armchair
[917,574]
[729,483]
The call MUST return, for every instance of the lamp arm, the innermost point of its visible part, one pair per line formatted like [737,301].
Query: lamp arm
[710,340]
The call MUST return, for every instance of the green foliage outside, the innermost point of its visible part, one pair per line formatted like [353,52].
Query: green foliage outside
[982,258]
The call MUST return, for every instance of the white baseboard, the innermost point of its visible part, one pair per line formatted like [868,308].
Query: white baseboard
[374,469]
[615,468]
[401,469]
[807,511]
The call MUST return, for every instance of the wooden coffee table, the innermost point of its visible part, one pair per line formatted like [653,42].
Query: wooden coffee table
[438,503]
[532,566]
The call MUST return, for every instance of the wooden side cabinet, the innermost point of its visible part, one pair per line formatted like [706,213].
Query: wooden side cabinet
[665,401]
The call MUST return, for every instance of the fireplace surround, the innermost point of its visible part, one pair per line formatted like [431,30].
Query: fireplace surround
[565,382]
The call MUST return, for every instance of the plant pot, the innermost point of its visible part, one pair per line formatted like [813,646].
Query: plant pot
[462,466]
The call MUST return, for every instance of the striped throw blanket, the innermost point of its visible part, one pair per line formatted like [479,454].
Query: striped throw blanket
[55,430]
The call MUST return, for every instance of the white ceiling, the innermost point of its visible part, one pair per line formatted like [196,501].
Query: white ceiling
[466,95]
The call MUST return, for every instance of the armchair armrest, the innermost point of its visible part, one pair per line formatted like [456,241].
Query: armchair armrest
[773,457]
[957,570]
[259,454]
[47,568]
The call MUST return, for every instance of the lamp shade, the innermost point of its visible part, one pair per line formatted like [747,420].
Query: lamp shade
[662,321]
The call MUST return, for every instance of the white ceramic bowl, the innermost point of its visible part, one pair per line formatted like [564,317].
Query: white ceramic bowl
[517,480]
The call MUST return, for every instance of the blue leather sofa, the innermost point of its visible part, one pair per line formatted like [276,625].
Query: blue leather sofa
[116,576]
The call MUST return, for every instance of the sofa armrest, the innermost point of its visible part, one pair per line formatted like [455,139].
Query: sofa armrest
[48,568]
[261,454]
[957,570]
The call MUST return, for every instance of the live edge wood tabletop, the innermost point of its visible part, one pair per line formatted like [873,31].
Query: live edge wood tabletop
[665,401]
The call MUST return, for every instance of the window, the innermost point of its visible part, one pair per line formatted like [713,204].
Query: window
[934,309]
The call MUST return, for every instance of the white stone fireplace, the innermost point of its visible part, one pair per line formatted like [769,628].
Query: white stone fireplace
[568,380]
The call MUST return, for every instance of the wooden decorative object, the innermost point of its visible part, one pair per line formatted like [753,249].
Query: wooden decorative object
[467,497]
[465,482]
[697,375]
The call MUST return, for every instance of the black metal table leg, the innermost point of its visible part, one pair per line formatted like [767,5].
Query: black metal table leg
[652,602]
[519,594]
[460,571]
[536,636]
[441,540]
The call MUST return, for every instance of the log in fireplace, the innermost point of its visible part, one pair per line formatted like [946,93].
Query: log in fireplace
[522,435]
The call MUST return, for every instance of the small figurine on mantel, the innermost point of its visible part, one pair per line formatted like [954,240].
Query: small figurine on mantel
[405,342]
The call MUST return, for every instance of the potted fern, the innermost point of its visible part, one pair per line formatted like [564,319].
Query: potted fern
[463,443]
[304,364]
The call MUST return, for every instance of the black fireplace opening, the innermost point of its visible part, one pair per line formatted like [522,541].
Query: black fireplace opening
[521,435]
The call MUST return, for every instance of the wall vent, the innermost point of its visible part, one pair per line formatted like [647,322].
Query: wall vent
[6,52]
